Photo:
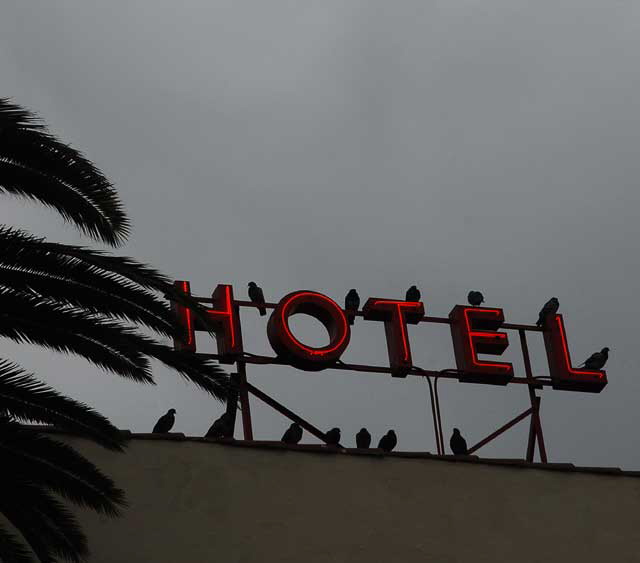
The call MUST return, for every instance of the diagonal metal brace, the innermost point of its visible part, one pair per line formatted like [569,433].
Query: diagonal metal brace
[289,414]
[500,430]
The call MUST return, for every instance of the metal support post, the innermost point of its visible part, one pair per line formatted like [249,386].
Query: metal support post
[232,401]
[435,419]
[244,401]
[535,428]
[435,392]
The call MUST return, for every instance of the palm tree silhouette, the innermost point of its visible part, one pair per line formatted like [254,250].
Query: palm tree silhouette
[79,301]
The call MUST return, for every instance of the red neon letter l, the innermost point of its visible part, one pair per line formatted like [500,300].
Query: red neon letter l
[563,374]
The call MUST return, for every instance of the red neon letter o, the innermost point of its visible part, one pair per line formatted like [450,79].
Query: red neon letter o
[290,349]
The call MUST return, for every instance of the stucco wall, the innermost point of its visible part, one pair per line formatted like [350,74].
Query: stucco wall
[202,502]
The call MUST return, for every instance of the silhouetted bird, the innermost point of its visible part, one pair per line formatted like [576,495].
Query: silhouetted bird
[550,308]
[351,304]
[165,422]
[256,295]
[413,294]
[221,428]
[597,359]
[293,434]
[363,439]
[457,443]
[333,437]
[388,441]
[475,298]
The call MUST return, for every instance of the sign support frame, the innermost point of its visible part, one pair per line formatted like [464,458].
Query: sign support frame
[242,388]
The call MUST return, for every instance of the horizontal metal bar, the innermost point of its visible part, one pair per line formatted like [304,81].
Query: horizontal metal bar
[447,373]
[425,319]
[252,304]
[512,326]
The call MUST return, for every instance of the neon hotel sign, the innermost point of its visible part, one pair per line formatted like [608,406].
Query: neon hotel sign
[474,331]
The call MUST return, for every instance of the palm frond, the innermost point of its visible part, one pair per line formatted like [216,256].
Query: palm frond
[21,249]
[16,179]
[107,344]
[59,468]
[16,242]
[105,299]
[13,116]
[12,550]
[49,529]
[35,161]
[195,368]
[25,398]
[110,345]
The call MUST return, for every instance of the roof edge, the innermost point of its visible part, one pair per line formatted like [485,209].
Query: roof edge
[328,450]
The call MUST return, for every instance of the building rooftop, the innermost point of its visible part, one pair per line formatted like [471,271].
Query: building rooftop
[325,450]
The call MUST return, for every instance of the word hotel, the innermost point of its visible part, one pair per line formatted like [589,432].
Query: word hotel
[474,331]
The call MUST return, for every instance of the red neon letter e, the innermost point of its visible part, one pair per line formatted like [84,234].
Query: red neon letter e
[289,348]
[395,315]
[563,374]
[473,330]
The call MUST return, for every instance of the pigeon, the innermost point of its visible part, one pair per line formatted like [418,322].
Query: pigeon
[293,434]
[333,437]
[597,360]
[256,296]
[351,305]
[388,441]
[475,298]
[550,308]
[363,439]
[413,294]
[165,422]
[457,443]
[221,428]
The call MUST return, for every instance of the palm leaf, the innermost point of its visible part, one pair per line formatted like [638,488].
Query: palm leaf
[18,180]
[35,164]
[12,550]
[25,398]
[49,529]
[22,250]
[16,242]
[59,468]
[107,344]
[98,300]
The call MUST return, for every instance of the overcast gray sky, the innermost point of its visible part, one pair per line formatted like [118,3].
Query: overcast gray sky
[456,145]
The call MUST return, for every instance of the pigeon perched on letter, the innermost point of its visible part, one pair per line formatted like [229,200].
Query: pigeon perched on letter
[165,422]
[475,298]
[597,360]
[293,434]
[256,296]
[550,308]
[413,294]
[351,305]
[457,443]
